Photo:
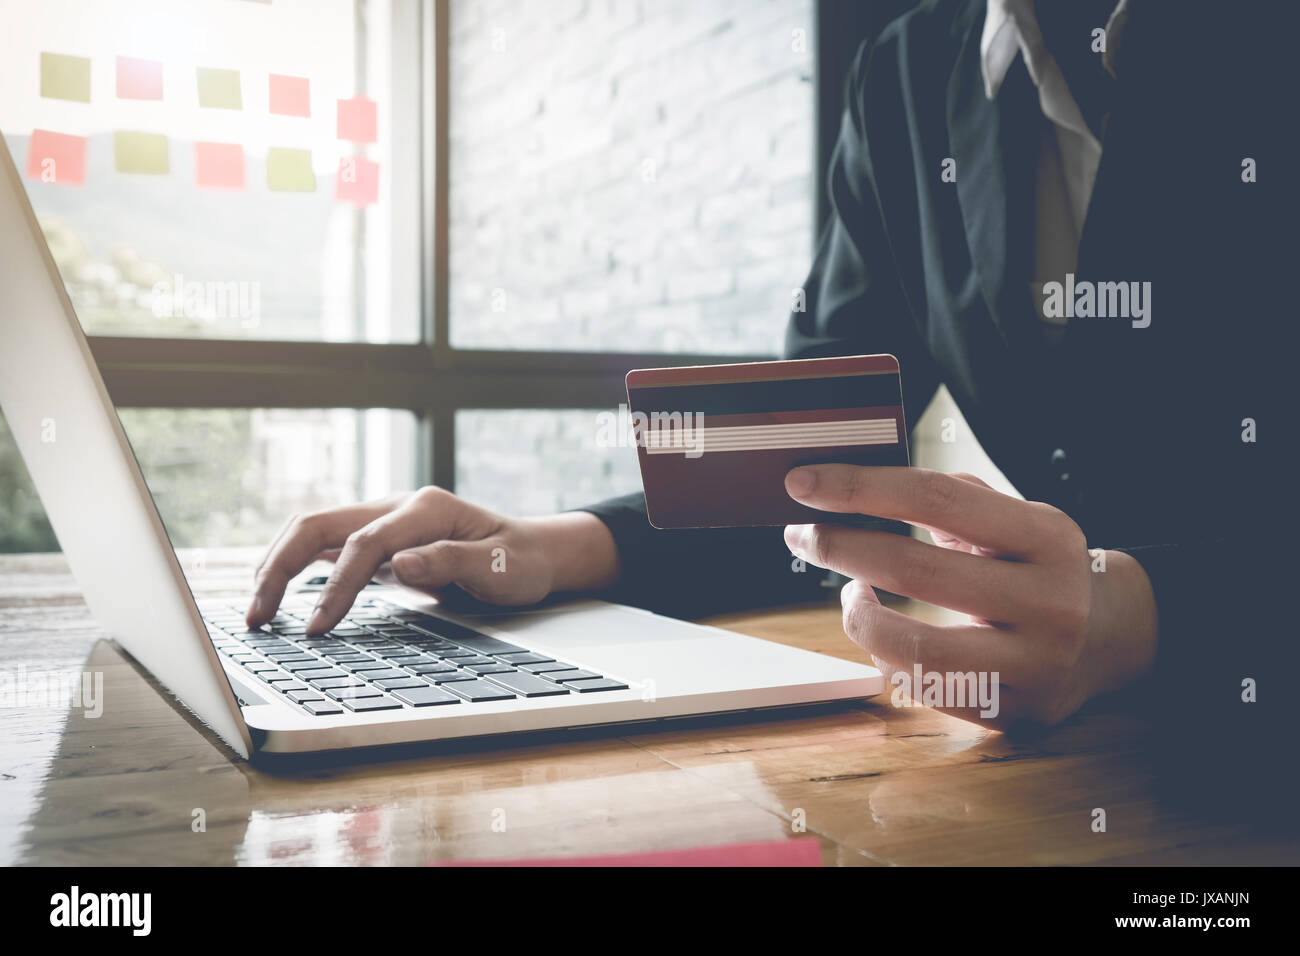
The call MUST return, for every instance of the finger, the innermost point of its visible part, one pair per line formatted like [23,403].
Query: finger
[304,538]
[928,499]
[430,514]
[961,671]
[986,587]
[270,548]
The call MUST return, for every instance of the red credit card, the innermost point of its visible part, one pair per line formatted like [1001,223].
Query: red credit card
[715,441]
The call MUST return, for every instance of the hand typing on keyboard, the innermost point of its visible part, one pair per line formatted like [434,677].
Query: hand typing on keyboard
[434,541]
[383,657]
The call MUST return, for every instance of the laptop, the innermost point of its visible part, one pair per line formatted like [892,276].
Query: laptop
[400,668]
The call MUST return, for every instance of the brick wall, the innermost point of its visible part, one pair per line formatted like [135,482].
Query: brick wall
[629,174]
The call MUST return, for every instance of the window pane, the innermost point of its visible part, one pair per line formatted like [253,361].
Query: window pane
[182,189]
[526,462]
[629,176]
[230,477]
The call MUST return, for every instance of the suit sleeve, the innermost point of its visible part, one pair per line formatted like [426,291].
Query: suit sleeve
[853,304]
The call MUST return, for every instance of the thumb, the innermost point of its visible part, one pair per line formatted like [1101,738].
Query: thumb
[480,568]
[437,565]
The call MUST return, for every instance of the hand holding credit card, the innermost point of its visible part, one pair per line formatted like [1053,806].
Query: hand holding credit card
[715,441]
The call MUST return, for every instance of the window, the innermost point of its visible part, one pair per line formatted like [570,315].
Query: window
[560,192]
[188,166]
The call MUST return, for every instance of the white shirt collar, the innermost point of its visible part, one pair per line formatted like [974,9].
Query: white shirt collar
[1010,27]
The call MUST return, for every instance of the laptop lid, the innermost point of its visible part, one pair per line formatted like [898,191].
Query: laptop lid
[88,479]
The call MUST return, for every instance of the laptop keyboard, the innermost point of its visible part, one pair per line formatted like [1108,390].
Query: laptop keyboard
[385,657]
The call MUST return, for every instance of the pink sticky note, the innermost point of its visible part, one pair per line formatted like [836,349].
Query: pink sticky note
[803,852]
[219,165]
[357,181]
[358,120]
[139,79]
[57,158]
[290,95]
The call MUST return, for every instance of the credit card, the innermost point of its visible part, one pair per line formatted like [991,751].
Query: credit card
[715,441]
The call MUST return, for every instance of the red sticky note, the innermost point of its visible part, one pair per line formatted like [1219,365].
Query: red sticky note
[139,79]
[57,158]
[359,120]
[803,852]
[357,181]
[290,95]
[219,165]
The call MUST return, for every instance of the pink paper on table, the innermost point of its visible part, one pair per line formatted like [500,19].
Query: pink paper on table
[57,158]
[219,165]
[139,79]
[359,120]
[767,853]
[357,181]
[290,95]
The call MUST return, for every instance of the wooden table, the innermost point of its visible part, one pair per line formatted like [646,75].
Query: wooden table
[874,783]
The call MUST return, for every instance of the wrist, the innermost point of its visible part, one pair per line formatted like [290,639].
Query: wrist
[578,549]
[1125,630]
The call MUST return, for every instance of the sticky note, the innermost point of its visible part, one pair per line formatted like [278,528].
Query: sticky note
[219,165]
[65,77]
[219,89]
[290,95]
[139,79]
[56,158]
[140,152]
[289,170]
[358,181]
[358,120]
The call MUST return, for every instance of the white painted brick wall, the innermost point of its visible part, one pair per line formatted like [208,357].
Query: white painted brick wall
[634,174]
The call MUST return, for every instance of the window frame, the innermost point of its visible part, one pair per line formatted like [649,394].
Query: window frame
[430,378]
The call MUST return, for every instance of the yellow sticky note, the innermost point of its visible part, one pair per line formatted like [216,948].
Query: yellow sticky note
[65,77]
[289,170]
[219,89]
[140,152]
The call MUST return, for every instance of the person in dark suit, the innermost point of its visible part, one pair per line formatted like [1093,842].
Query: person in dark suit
[1077,217]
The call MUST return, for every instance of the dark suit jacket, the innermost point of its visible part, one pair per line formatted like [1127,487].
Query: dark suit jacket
[1135,432]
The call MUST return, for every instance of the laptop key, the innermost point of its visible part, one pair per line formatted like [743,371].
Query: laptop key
[574,674]
[599,683]
[425,696]
[316,675]
[467,661]
[528,685]
[350,693]
[302,696]
[329,683]
[449,677]
[399,683]
[486,645]
[391,673]
[287,684]
[438,667]
[310,664]
[528,657]
[489,668]
[476,691]
[548,666]
[372,703]
[322,708]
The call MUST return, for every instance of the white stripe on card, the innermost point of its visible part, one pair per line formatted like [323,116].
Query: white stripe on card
[675,441]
